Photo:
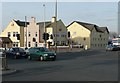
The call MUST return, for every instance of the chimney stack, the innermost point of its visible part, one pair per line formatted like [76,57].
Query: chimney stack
[33,19]
[53,19]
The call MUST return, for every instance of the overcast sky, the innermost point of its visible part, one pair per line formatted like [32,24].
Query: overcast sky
[99,13]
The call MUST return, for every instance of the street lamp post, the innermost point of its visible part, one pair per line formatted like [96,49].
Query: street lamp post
[56,27]
[44,24]
[26,30]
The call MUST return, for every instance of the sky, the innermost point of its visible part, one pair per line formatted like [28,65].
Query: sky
[99,13]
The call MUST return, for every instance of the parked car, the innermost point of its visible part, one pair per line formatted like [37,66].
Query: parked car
[40,53]
[16,53]
[112,47]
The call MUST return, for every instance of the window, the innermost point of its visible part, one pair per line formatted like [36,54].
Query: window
[15,44]
[63,43]
[65,36]
[58,42]
[10,49]
[21,50]
[16,34]
[62,35]
[36,34]
[57,35]
[60,29]
[29,34]
[36,44]
[29,45]
[13,34]
[9,34]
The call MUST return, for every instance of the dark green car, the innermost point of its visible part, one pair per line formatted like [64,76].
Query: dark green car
[40,53]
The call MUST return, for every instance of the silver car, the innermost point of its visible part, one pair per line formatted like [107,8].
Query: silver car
[111,47]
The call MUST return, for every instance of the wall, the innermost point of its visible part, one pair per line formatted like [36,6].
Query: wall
[32,29]
[79,34]
[98,39]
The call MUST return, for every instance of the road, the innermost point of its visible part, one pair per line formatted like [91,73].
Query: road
[91,65]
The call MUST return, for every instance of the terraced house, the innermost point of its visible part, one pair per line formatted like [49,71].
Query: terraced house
[35,32]
[31,33]
[88,34]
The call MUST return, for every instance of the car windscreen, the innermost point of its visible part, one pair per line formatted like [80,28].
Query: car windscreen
[43,49]
[18,49]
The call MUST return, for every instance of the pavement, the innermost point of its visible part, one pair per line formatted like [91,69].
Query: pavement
[8,71]
[60,50]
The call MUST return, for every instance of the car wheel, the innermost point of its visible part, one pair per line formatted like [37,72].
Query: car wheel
[41,58]
[29,58]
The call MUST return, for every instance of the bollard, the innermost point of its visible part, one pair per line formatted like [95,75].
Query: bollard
[86,47]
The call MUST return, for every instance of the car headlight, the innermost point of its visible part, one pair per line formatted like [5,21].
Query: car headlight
[54,53]
[45,55]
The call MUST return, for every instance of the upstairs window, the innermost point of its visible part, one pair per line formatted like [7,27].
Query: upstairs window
[16,34]
[29,44]
[9,34]
[60,29]
[13,34]
[36,34]
[29,34]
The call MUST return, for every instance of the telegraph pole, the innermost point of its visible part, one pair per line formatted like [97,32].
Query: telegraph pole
[44,24]
[26,30]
